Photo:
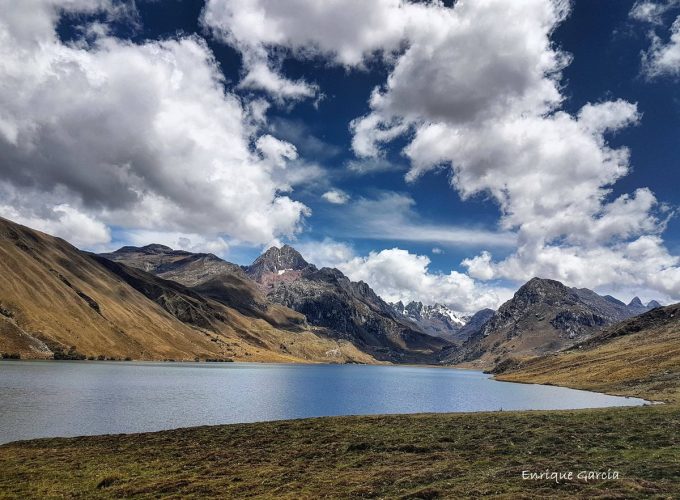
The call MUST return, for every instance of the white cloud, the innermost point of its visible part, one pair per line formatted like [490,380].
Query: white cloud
[326,253]
[65,222]
[397,274]
[477,88]
[366,166]
[663,58]
[261,77]
[651,12]
[437,251]
[345,30]
[336,197]
[191,242]
[143,136]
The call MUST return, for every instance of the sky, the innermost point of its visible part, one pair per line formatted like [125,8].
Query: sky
[440,151]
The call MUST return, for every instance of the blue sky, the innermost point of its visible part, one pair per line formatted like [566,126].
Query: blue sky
[467,240]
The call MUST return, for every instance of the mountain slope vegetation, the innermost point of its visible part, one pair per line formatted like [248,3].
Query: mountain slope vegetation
[59,302]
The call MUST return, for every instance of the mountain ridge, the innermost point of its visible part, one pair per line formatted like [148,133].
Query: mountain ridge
[59,302]
[543,316]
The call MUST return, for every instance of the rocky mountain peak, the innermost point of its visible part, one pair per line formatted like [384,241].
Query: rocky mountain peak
[277,261]
[538,290]
[653,304]
[636,302]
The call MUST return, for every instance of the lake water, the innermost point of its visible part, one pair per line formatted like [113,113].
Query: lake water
[47,398]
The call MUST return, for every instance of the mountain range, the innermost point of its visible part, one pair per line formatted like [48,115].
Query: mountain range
[286,291]
[437,319]
[154,302]
[543,316]
[59,302]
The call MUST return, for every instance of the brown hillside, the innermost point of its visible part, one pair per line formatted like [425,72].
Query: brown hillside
[57,299]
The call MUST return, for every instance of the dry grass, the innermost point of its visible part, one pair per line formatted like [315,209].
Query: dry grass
[645,364]
[54,297]
[422,456]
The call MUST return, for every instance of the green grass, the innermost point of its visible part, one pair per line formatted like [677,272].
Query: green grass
[417,456]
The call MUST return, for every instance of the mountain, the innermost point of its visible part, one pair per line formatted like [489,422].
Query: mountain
[543,316]
[639,355]
[59,302]
[209,276]
[344,309]
[475,324]
[437,320]
[653,304]
[287,292]
[277,262]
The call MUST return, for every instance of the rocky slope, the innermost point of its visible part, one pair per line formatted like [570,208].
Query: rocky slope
[212,277]
[56,301]
[544,316]
[345,309]
[637,356]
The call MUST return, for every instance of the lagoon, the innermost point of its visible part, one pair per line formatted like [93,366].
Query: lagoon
[61,398]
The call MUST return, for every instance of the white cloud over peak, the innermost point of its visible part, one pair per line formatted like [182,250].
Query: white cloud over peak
[63,221]
[191,242]
[476,88]
[325,253]
[137,135]
[396,274]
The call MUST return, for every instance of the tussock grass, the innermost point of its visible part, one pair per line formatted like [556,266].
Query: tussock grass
[408,456]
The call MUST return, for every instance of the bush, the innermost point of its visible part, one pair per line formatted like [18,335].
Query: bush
[70,354]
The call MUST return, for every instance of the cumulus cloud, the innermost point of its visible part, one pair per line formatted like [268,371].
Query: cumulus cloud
[396,274]
[336,197]
[476,88]
[344,30]
[63,221]
[326,253]
[142,136]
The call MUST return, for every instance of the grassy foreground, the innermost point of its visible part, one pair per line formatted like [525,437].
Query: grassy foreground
[419,456]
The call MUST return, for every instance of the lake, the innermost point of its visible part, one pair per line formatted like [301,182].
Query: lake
[48,399]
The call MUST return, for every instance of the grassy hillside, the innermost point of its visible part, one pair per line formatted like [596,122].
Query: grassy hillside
[58,301]
[421,456]
[637,357]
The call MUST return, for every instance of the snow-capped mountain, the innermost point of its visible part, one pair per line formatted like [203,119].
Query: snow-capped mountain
[437,319]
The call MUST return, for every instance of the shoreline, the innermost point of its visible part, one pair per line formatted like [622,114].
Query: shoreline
[450,455]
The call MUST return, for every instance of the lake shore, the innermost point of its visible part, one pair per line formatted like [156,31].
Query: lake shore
[416,456]
[630,452]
